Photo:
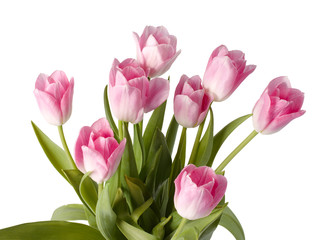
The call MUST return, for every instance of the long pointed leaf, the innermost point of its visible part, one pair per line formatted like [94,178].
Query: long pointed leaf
[108,113]
[106,217]
[155,121]
[69,212]
[223,134]
[133,233]
[55,154]
[232,224]
[88,191]
[172,133]
[50,230]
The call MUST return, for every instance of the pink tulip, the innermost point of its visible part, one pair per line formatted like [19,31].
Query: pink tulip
[54,96]
[191,102]
[198,191]
[97,151]
[225,72]
[278,105]
[156,50]
[131,94]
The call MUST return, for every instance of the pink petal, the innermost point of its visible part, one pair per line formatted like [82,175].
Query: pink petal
[218,52]
[113,72]
[66,102]
[95,163]
[125,102]
[220,77]
[102,127]
[280,122]
[151,42]
[180,85]
[279,82]
[164,67]
[115,158]
[61,77]
[142,84]
[219,189]
[260,112]
[186,111]
[138,49]
[158,93]
[82,140]
[49,107]
[41,82]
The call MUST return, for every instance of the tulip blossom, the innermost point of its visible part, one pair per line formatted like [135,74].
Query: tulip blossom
[156,50]
[131,94]
[97,151]
[54,95]
[225,72]
[191,102]
[278,105]
[198,190]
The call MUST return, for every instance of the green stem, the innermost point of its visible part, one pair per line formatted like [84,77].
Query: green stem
[65,146]
[196,144]
[100,188]
[120,126]
[236,151]
[141,126]
[179,229]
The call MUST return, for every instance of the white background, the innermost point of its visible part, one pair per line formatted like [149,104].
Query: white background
[273,183]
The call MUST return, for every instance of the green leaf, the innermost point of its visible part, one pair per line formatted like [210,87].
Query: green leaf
[138,147]
[135,192]
[50,230]
[159,230]
[141,209]
[172,133]
[155,121]
[106,217]
[189,234]
[109,115]
[177,166]
[128,163]
[55,154]
[133,233]
[89,191]
[223,134]
[205,146]
[69,212]
[232,224]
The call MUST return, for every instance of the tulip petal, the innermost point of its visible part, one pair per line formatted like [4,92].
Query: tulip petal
[102,127]
[181,84]
[41,82]
[260,112]
[66,102]
[186,111]
[280,122]
[95,163]
[138,49]
[126,102]
[220,77]
[113,72]
[158,93]
[82,140]
[115,158]
[49,107]
[219,189]
[61,77]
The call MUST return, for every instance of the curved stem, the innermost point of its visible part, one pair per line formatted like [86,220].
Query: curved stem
[236,151]
[65,146]
[100,188]
[179,229]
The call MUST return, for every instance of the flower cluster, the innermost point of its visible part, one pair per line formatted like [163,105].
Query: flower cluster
[134,187]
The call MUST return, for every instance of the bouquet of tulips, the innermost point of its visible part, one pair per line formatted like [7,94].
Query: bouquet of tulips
[132,182]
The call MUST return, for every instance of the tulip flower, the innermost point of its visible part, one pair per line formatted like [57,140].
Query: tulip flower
[191,102]
[54,95]
[198,190]
[225,72]
[97,151]
[131,94]
[156,50]
[278,105]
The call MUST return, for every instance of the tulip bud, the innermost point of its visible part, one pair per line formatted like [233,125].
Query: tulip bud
[97,151]
[156,50]
[131,94]
[191,102]
[225,72]
[54,95]
[198,190]
[278,105]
